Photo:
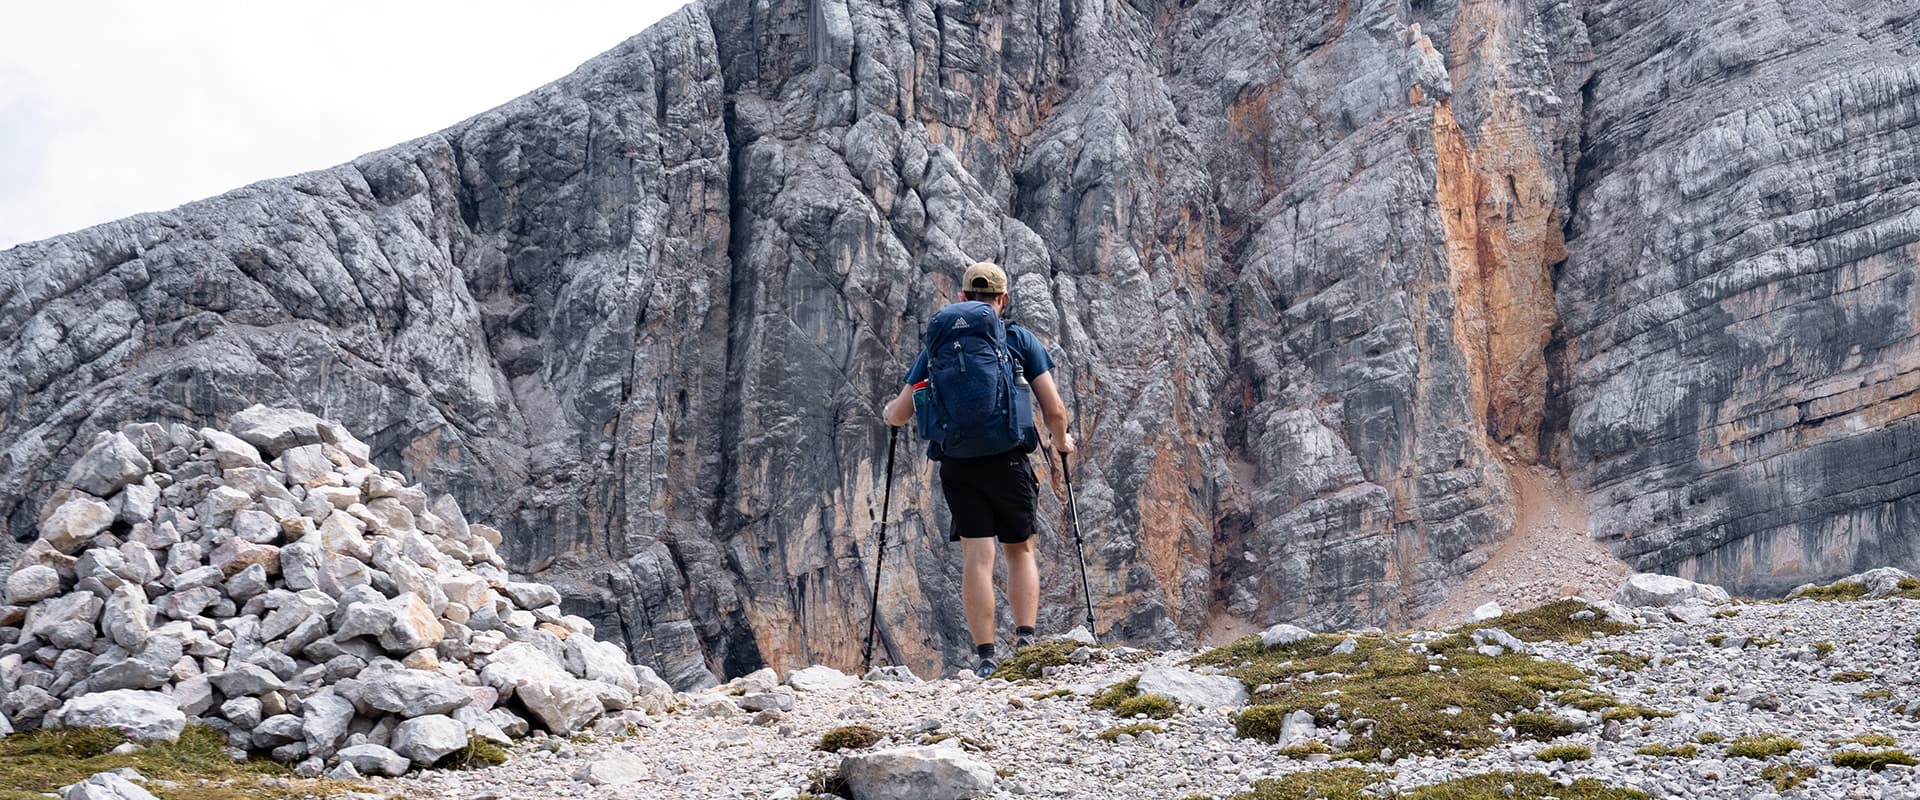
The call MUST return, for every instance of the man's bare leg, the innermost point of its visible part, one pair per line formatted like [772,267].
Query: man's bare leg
[1023,584]
[976,587]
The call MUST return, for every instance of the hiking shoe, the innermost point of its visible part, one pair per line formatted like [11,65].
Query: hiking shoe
[1022,642]
[986,667]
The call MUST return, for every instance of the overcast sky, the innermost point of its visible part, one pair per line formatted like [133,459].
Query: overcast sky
[114,107]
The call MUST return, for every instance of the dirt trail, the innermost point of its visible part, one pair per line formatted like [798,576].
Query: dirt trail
[1549,555]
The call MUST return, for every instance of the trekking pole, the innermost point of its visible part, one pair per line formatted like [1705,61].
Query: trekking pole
[880,557]
[1079,547]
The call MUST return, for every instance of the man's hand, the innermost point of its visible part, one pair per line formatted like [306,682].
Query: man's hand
[1064,443]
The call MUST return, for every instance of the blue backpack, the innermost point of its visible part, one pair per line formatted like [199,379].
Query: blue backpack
[977,401]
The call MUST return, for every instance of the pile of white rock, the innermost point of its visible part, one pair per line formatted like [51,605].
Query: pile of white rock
[273,584]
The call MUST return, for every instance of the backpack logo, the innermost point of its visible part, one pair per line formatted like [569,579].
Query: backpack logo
[977,403]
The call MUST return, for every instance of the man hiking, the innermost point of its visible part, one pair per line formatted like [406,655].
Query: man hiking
[968,390]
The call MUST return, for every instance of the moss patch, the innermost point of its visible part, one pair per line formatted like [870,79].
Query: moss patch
[1552,622]
[478,754]
[1116,694]
[1033,660]
[43,761]
[1623,660]
[1520,786]
[1875,760]
[1157,706]
[1668,751]
[1564,752]
[1114,734]
[1627,712]
[1842,590]
[1439,698]
[1765,745]
[1788,776]
[1341,783]
[1539,726]
[849,737]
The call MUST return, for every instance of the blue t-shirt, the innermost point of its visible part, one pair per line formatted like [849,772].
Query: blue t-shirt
[1033,358]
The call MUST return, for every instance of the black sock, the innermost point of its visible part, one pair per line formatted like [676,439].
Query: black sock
[984,650]
[1024,630]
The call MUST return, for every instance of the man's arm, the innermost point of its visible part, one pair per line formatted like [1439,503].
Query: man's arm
[1053,412]
[900,409]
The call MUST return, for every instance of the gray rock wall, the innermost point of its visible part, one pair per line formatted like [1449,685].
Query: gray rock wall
[1314,275]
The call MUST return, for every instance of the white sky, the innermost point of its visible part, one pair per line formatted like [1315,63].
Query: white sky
[113,107]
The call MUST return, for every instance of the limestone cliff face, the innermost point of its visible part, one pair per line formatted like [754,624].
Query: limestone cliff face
[1315,275]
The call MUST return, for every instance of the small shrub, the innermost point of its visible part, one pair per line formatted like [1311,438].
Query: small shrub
[1564,752]
[1787,776]
[1843,590]
[1157,706]
[1538,726]
[1114,734]
[1669,751]
[849,737]
[1875,760]
[1765,745]
[1851,676]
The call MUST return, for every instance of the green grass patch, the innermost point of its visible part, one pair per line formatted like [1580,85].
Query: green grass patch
[1716,639]
[1710,737]
[1032,660]
[1627,712]
[1157,706]
[1869,740]
[1386,679]
[33,764]
[1822,648]
[1114,734]
[1669,751]
[1765,745]
[849,737]
[1564,752]
[1875,760]
[1851,676]
[1843,590]
[1520,786]
[1877,694]
[1540,726]
[1114,695]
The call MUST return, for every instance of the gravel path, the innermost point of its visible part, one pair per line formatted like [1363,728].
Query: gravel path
[1765,675]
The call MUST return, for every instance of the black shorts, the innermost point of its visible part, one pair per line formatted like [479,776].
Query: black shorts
[990,496]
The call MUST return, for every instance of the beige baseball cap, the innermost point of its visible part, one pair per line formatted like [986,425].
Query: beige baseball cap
[984,276]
